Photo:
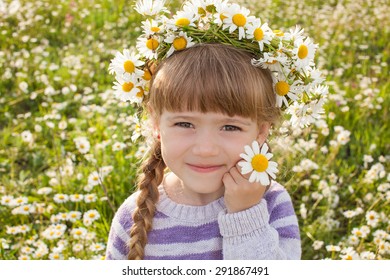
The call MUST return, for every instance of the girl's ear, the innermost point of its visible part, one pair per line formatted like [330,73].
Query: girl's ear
[263,132]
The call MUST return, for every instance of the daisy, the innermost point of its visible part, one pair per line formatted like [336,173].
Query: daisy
[237,18]
[79,233]
[76,197]
[82,144]
[89,198]
[94,179]
[61,198]
[151,27]
[147,46]
[27,136]
[222,10]
[182,19]
[260,33]
[304,52]
[73,216]
[179,42]
[125,65]
[92,215]
[117,146]
[150,7]
[128,90]
[257,162]
[283,88]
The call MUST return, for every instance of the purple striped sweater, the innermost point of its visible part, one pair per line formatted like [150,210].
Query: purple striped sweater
[268,230]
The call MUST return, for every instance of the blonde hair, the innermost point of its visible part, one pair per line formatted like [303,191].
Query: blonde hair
[205,78]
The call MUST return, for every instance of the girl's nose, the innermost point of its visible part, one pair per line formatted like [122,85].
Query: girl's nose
[205,145]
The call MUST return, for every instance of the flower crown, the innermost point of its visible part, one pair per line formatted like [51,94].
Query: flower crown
[288,55]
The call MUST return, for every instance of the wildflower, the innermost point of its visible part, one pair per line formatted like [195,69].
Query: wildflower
[44,191]
[27,136]
[56,256]
[349,254]
[76,197]
[61,198]
[372,218]
[82,144]
[260,33]
[126,65]
[150,7]
[333,248]
[118,146]
[94,179]
[367,255]
[237,18]
[257,162]
[349,214]
[7,200]
[96,247]
[92,215]
[77,247]
[73,216]
[179,42]
[79,233]
[89,198]
[317,244]
[304,53]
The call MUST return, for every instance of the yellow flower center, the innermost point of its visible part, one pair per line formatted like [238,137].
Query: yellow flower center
[282,88]
[147,75]
[179,43]
[303,51]
[129,66]
[140,94]
[183,22]
[259,34]
[259,163]
[239,20]
[278,32]
[222,17]
[349,257]
[202,12]
[152,44]
[155,29]
[126,87]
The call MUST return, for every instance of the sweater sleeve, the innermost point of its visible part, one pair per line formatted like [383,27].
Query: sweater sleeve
[117,248]
[266,231]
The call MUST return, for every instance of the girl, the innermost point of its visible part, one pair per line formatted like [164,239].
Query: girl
[212,79]
[206,102]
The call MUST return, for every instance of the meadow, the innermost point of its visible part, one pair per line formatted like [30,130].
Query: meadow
[67,160]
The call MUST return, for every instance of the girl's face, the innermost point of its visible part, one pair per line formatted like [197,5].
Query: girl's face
[199,148]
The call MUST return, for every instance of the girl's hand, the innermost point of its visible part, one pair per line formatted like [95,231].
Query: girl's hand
[239,193]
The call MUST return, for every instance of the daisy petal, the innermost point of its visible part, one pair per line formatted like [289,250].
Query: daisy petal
[255,147]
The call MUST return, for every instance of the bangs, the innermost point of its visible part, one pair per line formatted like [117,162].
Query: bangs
[212,78]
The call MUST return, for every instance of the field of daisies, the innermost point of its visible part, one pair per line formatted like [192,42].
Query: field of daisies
[67,160]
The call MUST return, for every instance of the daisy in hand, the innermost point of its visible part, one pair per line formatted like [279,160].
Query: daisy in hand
[257,162]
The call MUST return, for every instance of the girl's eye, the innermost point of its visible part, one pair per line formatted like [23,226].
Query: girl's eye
[231,128]
[184,125]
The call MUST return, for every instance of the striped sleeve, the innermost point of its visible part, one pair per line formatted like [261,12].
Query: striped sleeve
[118,239]
[267,231]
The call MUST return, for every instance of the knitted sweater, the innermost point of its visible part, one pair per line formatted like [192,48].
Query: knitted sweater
[268,230]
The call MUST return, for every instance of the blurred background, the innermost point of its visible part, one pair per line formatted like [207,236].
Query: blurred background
[67,160]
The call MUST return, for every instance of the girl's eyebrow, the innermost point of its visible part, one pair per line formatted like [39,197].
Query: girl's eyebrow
[223,120]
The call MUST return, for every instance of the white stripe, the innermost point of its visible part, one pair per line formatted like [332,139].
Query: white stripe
[115,254]
[282,197]
[285,221]
[177,249]
[166,223]
[120,231]
[292,246]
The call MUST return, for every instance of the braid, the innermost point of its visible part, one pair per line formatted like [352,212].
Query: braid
[153,174]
